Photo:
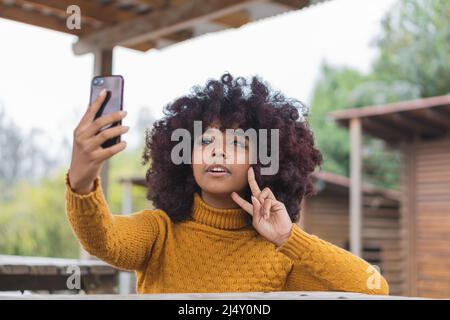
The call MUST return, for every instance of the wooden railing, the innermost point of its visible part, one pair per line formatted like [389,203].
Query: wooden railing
[20,273]
[31,274]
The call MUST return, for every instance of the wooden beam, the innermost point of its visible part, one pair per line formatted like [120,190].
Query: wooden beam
[159,4]
[370,131]
[143,46]
[104,13]
[293,4]
[234,20]
[168,40]
[382,129]
[378,110]
[355,187]
[32,17]
[409,123]
[438,116]
[181,35]
[421,124]
[159,24]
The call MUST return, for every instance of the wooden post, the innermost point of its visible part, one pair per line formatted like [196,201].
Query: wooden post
[411,163]
[304,216]
[102,66]
[127,207]
[355,187]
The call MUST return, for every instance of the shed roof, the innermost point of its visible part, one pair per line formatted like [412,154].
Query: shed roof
[342,184]
[395,122]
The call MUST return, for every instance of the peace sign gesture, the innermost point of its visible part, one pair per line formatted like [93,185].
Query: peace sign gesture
[270,217]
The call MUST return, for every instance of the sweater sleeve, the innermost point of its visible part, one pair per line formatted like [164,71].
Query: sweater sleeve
[321,266]
[124,241]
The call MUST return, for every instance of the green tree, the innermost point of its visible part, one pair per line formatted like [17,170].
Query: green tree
[414,46]
[34,222]
[413,62]
[332,92]
[342,88]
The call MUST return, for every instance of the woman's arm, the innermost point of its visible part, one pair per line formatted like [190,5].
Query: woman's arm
[320,265]
[123,241]
[317,265]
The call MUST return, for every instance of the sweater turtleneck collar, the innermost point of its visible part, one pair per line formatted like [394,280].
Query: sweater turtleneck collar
[228,219]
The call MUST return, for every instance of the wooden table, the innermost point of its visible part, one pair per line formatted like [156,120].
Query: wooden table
[20,273]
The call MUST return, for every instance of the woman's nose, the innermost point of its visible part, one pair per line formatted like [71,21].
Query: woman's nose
[218,153]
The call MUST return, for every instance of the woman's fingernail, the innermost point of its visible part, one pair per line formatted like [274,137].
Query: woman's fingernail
[103,92]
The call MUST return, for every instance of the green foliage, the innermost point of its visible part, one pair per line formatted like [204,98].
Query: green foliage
[415,46]
[413,62]
[125,165]
[332,92]
[34,221]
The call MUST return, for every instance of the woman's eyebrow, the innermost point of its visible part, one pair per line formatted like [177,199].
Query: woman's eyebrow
[239,133]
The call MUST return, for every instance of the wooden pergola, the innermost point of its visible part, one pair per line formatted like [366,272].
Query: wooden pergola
[140,24]
[420,130]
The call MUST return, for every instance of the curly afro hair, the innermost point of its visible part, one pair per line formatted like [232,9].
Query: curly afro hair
[251,104]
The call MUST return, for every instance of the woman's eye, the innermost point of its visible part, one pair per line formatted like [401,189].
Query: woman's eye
[206,141]
[239,143]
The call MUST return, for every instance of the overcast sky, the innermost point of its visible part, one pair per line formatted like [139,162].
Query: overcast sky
[43,84]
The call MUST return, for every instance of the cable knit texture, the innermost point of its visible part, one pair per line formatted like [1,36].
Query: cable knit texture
[214,251]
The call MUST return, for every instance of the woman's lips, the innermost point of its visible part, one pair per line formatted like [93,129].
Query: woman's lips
[217,170]
[218,174]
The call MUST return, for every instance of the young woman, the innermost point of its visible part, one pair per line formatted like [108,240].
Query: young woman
[220,225]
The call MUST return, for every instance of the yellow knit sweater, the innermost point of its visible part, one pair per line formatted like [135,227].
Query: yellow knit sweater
[212,252]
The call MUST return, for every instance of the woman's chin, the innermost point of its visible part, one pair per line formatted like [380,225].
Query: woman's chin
[217,175]
[218,190]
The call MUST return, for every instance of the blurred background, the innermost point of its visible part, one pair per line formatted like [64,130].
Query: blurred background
[375,75]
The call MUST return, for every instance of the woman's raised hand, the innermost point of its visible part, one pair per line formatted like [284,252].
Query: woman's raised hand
[270,217]
[87,154]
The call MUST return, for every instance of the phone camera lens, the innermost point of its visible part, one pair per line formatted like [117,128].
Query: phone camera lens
[98,81]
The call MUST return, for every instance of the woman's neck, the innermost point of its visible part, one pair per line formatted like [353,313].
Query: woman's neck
[222,201]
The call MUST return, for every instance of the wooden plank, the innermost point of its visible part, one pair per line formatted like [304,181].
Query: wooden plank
[355,186]
[292,4]
[106,14]
[34,18]
[403,106]
[234,20]
[279,295]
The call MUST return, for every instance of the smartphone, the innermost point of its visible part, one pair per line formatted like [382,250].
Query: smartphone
[113,101]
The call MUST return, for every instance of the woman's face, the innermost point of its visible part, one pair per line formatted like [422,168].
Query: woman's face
[221,161]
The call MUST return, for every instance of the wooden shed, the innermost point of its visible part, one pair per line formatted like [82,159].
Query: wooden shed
[420,130]
[326,214]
